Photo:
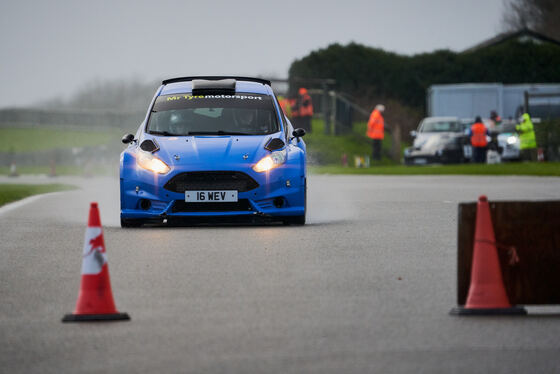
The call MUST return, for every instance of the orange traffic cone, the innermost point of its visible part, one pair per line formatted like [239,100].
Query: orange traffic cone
[95,299]
[487,294]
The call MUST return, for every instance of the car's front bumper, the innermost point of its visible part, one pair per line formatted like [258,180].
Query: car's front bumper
[280,192]
[509,151]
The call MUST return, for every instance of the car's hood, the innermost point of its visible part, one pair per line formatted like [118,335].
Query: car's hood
[505,135]
[213,151]
[433,140]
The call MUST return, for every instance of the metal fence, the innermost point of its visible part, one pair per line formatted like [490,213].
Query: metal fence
[338,110]
[81,157]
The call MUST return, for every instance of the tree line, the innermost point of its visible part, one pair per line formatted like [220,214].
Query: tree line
[367,72]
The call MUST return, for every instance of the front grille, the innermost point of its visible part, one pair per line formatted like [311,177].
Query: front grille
[182,206]
[211,180]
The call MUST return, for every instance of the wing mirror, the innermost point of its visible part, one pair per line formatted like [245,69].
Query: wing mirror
[128,138]
[298,133]
[413,133]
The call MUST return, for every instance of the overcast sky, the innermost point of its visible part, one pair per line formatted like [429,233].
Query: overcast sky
[55,47]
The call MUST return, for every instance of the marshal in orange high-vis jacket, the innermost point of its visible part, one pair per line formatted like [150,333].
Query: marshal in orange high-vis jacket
[376,124]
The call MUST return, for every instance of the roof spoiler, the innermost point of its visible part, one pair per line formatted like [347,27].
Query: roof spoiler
[216,78]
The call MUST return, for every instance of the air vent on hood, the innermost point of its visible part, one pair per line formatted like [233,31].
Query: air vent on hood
[149,145]
[274,144]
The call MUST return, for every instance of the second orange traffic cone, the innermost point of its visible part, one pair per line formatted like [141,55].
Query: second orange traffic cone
[95,299]
[487,294]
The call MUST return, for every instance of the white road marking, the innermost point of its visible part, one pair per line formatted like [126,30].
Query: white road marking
[18,204]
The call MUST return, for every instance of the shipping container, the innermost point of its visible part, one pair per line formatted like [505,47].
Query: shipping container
[479,99]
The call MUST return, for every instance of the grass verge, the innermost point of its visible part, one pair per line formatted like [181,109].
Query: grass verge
[517,168]
[328,149]
[13,192]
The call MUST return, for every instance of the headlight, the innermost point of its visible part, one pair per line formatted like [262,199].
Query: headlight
[270,162]
[149,162]
[511,139]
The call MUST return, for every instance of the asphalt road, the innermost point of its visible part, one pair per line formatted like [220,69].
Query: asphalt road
[366,286]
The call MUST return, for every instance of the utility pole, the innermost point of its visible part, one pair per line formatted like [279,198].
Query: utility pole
[326,108]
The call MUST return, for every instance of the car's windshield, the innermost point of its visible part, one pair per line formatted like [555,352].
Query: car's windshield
[506,127]
[239,114]
[442,126]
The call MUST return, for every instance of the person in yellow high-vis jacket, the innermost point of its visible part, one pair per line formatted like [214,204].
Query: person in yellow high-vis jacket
[527,140]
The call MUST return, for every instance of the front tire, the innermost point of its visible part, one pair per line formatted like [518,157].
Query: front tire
[128,223]
[295,220]
[299,220]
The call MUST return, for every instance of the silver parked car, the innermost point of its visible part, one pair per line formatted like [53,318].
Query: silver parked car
[438,140]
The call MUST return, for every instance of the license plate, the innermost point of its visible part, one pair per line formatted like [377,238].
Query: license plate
[210,196]
[420,161]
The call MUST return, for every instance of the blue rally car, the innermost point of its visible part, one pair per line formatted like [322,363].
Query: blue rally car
[213,147]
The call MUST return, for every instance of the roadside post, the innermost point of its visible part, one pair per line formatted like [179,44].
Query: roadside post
[396,142]
[326,108]
[13,170]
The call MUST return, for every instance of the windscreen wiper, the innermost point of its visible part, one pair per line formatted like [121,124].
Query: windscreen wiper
[219,132]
